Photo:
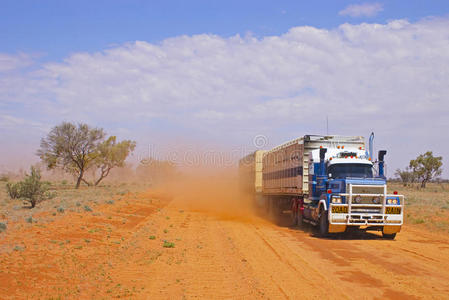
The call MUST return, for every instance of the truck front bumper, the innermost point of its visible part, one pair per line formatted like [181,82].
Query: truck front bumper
[378,215]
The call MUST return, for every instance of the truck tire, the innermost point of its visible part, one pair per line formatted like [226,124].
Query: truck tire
[294,218]
[389,236]
[324,223]
[294,214]
[299,219]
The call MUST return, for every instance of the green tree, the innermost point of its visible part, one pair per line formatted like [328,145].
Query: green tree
[112,154]
[426,167]
[71,147]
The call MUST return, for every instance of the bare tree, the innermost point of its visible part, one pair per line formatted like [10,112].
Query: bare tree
[72,147]
[406,176]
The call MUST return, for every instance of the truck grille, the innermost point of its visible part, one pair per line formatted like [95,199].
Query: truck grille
[366,210]
[363,190]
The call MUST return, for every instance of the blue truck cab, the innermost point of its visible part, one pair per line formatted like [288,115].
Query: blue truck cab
[346,189]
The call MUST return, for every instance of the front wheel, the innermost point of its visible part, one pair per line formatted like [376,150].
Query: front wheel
[324,224]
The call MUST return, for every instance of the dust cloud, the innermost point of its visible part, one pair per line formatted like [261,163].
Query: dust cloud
[214,191]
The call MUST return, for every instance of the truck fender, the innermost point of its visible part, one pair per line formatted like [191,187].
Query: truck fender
[322,204]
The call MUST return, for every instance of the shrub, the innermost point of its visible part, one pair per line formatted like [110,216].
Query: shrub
[60,210]
[31,188]
[13,190]
[50,195]
[18,248]
[2,227]
[87,208]
[152,237]
[168,244]
[29,220]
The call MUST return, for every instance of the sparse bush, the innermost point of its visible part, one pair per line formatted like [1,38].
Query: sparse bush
[2,227]
[87,208]
[405,176]
[64,182]
[50,195]
[418,221]
[18,248]
[13,190]
[60,210]
[29,220]
[110,202]
[31,188]
[168,244]
[152,237]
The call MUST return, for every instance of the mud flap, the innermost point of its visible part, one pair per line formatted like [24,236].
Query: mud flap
[391,229]
[336,228]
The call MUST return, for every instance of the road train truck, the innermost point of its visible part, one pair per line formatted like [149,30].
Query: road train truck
[332,182]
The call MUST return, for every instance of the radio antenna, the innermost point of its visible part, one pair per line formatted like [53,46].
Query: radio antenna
[327,125]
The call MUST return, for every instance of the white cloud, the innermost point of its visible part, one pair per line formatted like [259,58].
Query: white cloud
[391,78]
[362,10]
[10,62]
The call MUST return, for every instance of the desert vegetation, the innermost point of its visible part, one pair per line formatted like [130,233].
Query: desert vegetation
[423,169]
[78,148]
[428,207]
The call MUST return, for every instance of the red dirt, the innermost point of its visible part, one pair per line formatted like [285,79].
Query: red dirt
[218,253]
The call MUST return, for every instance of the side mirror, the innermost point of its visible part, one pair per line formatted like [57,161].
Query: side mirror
[382,153]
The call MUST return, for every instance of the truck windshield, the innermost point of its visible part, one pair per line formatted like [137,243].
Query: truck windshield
[350,170]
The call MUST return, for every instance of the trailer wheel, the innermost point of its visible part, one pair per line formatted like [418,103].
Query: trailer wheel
[389,236]
[294,217]
[324,223]
[294,214]
[299,219]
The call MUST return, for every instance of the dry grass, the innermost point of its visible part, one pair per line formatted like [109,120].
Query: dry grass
[66,199]
[427,208]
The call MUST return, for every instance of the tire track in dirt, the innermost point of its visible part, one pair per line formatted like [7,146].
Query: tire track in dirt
[118,251]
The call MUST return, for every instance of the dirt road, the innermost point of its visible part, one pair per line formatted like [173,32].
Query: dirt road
[118,251]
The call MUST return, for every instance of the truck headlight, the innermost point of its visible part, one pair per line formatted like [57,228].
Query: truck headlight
[392,201]
[376,200]
[358,199]
[336,199]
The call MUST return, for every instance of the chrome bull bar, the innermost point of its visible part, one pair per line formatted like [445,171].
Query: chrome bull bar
[365,214]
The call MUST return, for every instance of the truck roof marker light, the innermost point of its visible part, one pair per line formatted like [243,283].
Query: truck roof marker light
[369,158]
[342,147]
[330,158]
[321,147]
[338,147]
[395,192]
[360,148]
[329,191]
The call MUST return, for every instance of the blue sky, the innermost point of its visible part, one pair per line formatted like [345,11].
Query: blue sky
[212,75]
[54,29]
